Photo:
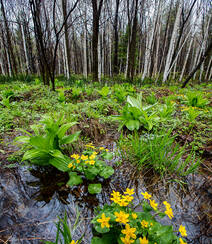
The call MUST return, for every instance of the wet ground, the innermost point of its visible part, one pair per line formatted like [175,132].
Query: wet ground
[32,199]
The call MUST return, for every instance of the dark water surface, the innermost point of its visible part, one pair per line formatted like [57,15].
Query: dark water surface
[30,202]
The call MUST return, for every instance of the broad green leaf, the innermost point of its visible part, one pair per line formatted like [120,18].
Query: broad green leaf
[23,139]
[107,172]
[94,188]
[61,132]
[33,153]
[60,163]
[91,173]
[70,139]
[132,125]
[74,179]
[39,142]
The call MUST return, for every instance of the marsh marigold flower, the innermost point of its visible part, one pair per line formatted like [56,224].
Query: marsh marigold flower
[146,195]
[73,242]
[182,241]
[104,221]
[93,156]
[83,157]
[169,213]
[128,198]
[144,223]
[153,204]
[167,204]
[129,232]
[127,240]
[122,217]
[143,240]
[129,191]
[182,230]
[91,162]
[134,216]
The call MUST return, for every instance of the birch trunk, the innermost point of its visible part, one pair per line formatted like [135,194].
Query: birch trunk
[186,60]
[172,42]
[85,64]
[25,49]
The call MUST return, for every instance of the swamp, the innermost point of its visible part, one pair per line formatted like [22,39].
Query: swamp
[105,122]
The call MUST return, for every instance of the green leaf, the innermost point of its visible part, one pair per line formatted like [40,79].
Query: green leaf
[91,173]
[74,179]
[39,142]
[60,163]
[61,132]
[146,207]
[132,125]
[94,188]
[70,139]
[33,153]
[108,156]
[98,240]
[107,172]
[23,139]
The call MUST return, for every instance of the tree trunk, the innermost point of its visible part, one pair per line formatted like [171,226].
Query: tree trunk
[202,59]
[172,43]
[95,38]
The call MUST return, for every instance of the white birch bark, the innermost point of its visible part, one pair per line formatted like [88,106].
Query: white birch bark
[186,59]
[147,63]
[208,68]
[25,49]
[172,43]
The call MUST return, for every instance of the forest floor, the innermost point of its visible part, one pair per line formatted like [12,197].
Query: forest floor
[31,197]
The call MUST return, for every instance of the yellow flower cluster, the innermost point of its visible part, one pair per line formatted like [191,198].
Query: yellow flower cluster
[168,211]
[147,196]
[83,158]
[90,145]
[123,200]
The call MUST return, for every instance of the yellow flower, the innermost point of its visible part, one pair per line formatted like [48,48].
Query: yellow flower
[86,162]
[93,156]
[116,197]
[92,162]
[128,198]
[182,230]
[143,240]
[104,221]
[129,232]
[153,204]
[169,213]
[127,240]
[146,195]
[75,156]
[101,148]
[144,223]
[83,157]
[70,165]
[78,161]
[134,216]
[90,145]
[182,242]
[122,202]
[121,217]
[115,194]
[95,153]
[167,204]
[73,242]
[106,150]
[129,191]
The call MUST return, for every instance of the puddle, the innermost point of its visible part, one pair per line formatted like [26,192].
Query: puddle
[30,202]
